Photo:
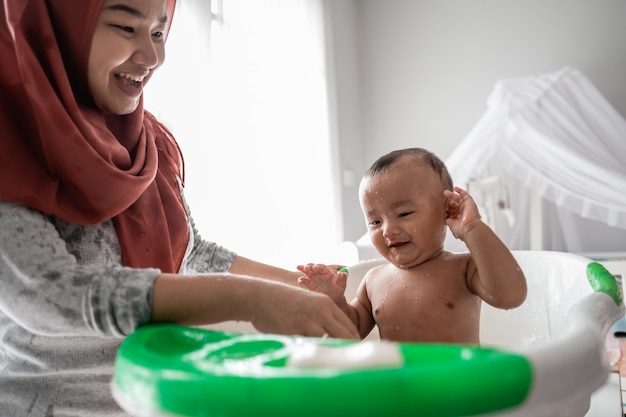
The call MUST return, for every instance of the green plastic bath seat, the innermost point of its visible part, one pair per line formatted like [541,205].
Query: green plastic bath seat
[170,370]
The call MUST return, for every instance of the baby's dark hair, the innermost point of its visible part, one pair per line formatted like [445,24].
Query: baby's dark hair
[383,163]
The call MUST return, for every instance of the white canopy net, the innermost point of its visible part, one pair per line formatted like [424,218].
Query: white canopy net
[548,157]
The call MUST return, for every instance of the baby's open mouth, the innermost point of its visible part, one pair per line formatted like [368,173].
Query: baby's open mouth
[398,244]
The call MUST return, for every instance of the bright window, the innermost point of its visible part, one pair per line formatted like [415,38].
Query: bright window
[244,91]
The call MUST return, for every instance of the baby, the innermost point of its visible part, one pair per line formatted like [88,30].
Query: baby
[424,294]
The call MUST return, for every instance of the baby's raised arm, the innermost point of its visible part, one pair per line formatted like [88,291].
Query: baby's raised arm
[493,273]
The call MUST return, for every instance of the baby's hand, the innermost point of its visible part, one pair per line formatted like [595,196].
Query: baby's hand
[324,279]
[462,210]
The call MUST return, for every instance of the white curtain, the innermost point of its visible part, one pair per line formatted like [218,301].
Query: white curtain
[552,137]
[244,90]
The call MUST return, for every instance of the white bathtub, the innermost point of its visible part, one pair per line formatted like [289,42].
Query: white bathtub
[559,332]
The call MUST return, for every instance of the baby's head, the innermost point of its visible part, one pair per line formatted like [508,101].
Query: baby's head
[404,206]
[420,156]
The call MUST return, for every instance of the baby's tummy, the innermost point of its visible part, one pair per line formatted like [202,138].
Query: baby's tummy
[433,322]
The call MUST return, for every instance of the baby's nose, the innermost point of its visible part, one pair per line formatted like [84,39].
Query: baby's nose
[390,229]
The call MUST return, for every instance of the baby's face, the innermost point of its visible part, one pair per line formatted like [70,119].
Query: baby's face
[405,212]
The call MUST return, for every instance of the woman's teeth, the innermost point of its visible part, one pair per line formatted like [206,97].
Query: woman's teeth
[130,79]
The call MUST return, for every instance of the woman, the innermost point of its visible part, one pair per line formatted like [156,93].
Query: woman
[94,234]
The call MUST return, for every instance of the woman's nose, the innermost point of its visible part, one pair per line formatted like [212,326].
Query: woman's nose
[147,53]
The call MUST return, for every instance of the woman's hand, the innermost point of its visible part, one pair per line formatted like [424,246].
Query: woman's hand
[290,310]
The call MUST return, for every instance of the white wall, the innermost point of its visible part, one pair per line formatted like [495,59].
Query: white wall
[419,71]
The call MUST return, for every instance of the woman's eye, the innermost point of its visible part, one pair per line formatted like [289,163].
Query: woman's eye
[158,35]
[126,29]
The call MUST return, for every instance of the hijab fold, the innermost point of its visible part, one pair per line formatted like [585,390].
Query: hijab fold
[63,157]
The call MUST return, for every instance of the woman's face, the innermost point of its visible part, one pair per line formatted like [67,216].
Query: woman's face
[127,47]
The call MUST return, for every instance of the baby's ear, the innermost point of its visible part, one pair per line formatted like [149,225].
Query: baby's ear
[448,208]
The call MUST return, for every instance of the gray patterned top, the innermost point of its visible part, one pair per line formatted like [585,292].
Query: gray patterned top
[66,303]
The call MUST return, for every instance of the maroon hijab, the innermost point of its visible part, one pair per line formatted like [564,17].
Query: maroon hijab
[62,156]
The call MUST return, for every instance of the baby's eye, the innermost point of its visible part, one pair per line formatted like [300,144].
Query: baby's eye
[406,213]
[373,223]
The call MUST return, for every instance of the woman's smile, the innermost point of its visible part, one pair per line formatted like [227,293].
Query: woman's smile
[130,84]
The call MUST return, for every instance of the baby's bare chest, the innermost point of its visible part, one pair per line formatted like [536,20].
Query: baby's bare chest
[429,297]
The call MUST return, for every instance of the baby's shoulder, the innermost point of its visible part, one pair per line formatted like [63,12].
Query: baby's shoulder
[457,257]
[379,272]
[457,263]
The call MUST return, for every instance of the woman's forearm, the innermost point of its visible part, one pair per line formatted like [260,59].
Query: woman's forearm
[245,266]
[202,299]
[272,307]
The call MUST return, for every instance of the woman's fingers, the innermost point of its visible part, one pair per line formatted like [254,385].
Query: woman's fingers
[343,328]
[325,318]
